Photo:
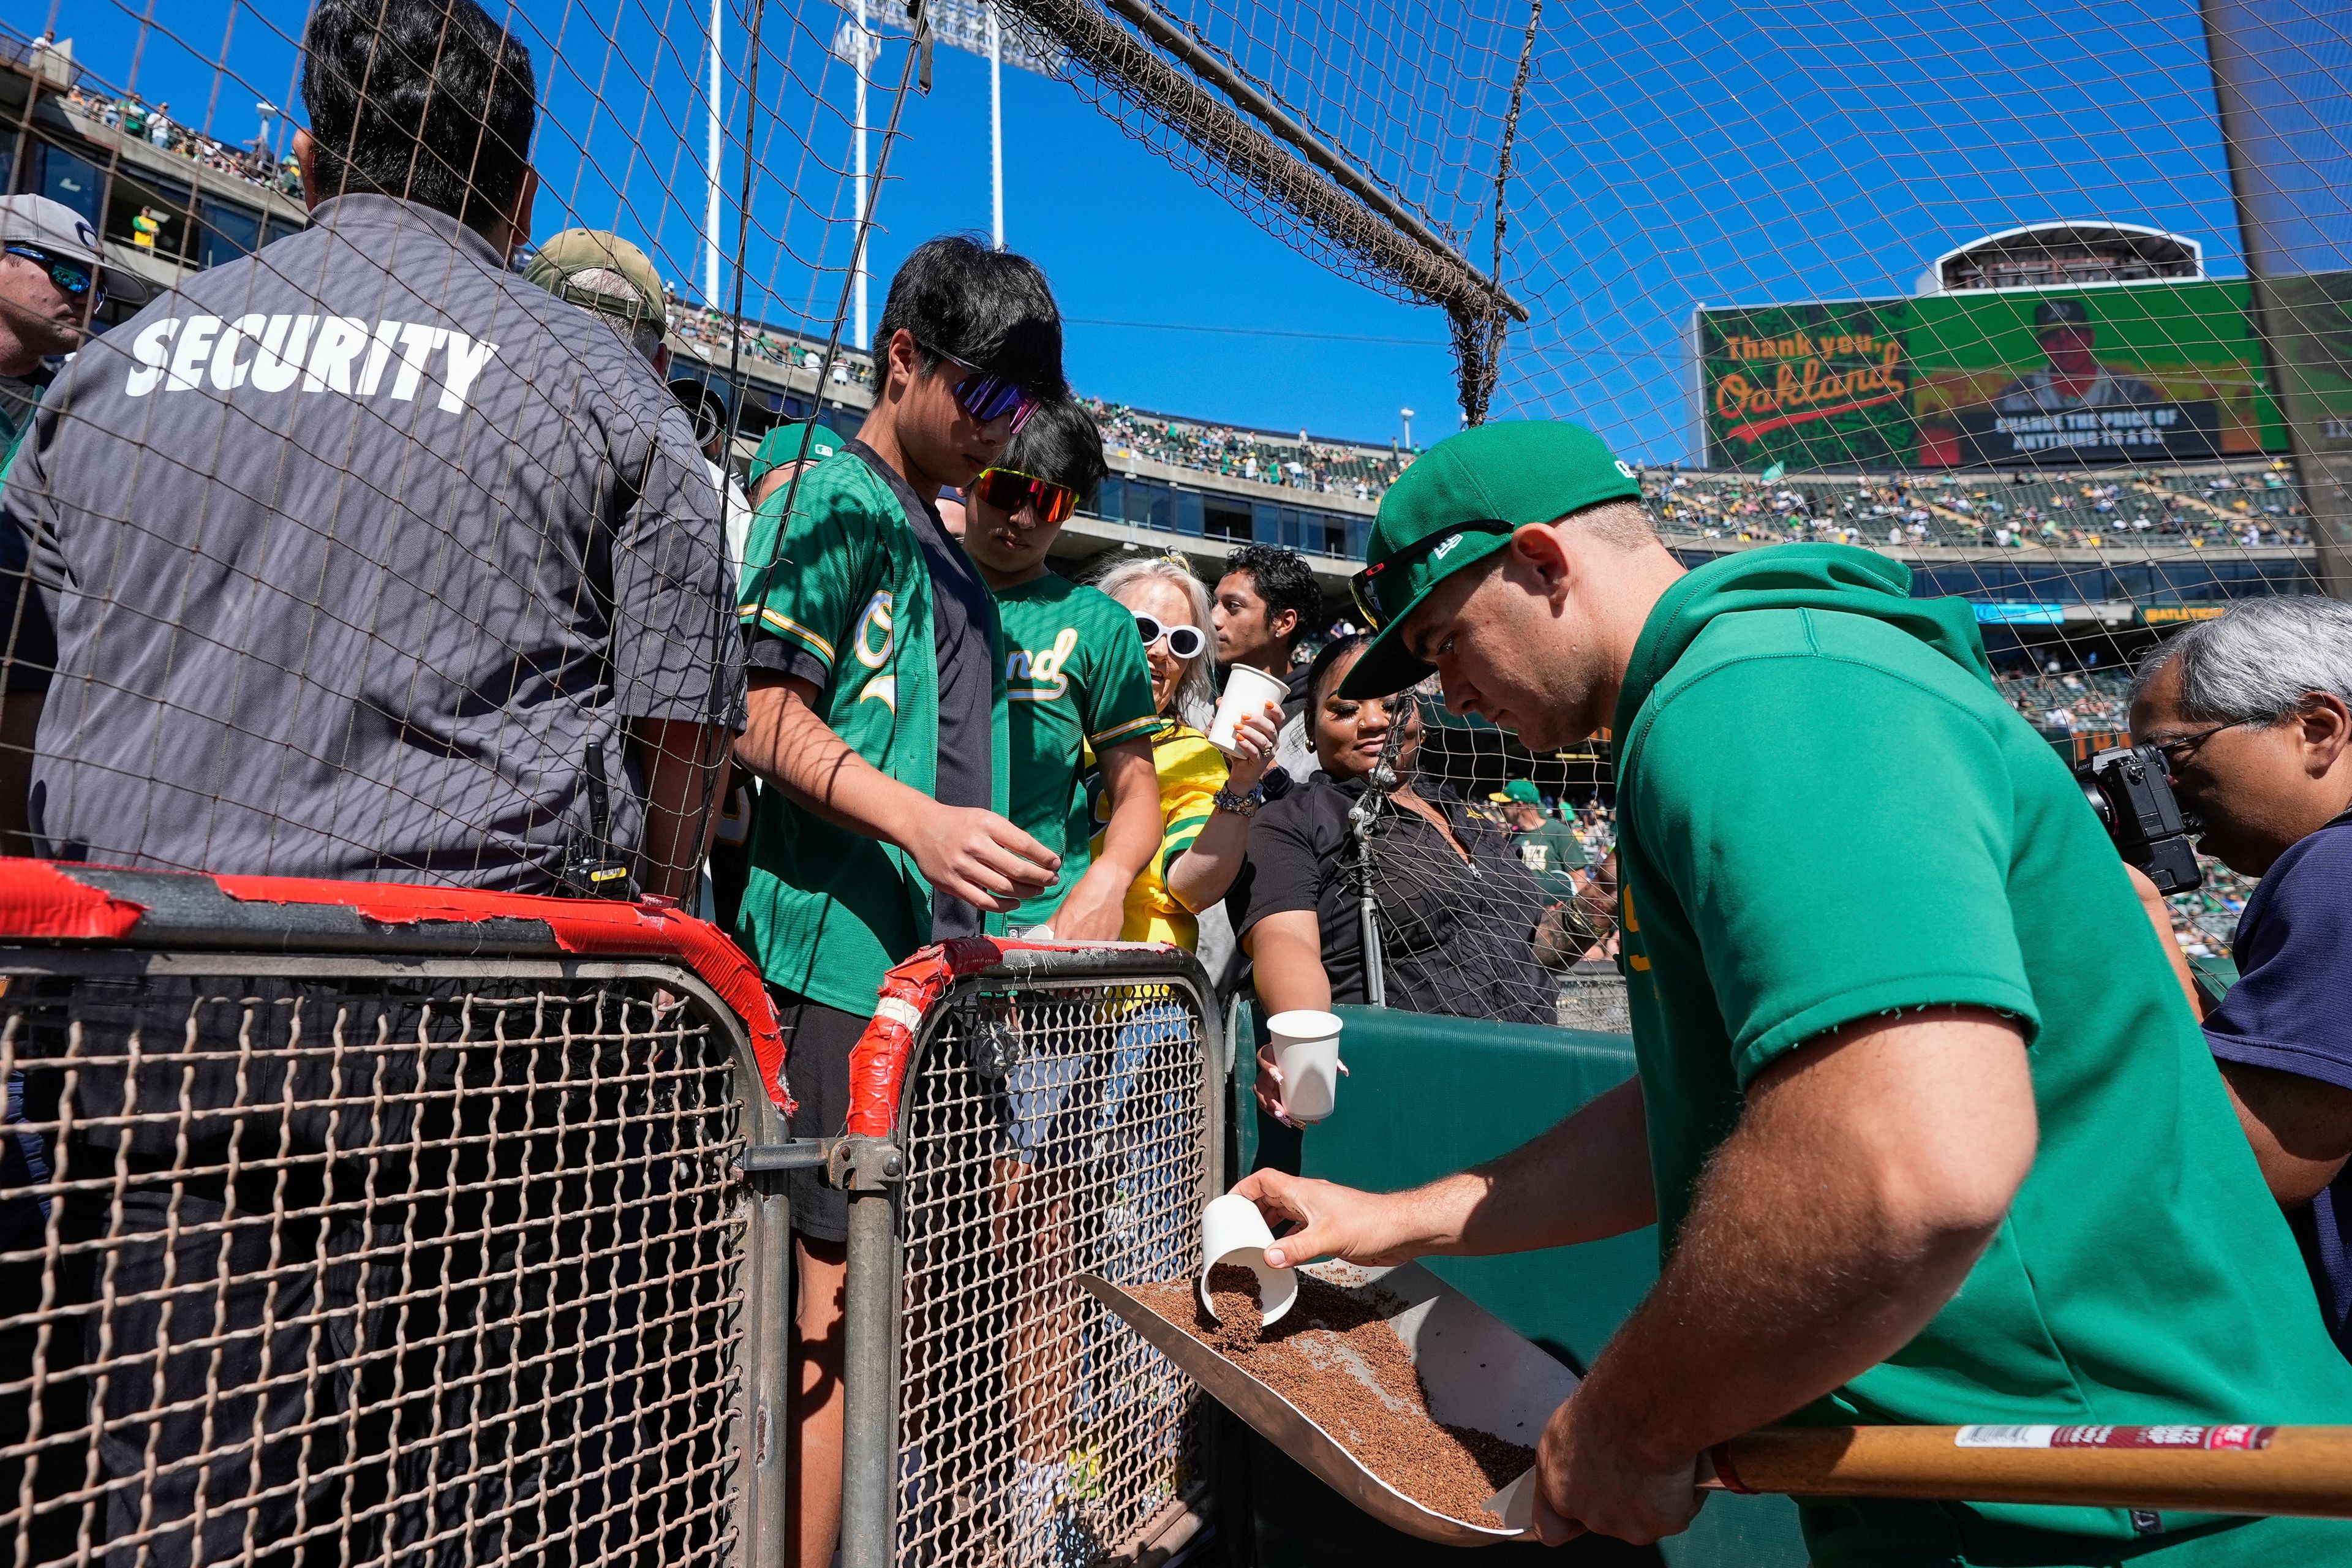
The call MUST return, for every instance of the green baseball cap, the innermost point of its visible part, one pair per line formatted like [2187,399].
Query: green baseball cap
[1458,504]
[782,444]
[1522,792]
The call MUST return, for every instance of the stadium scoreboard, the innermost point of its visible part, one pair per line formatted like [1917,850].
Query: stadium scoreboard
[2109,376]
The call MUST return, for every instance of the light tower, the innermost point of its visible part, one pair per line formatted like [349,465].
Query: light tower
[714,130]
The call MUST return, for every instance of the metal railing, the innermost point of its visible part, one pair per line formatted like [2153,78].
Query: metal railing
[332,1234]
[1592,998]
[351,1224]
[1060,1112]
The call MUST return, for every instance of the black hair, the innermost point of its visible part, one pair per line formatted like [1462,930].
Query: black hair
[1320,674]
[1284,581]
[989,308]
[1062,444]
[429,101]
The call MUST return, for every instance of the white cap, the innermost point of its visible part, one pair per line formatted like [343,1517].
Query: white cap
[52,226]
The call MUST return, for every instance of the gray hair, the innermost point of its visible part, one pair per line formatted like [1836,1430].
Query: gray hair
[612,296]
[2258,661]
[1196,691]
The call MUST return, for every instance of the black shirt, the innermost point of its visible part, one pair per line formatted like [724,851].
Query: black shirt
[1456,937]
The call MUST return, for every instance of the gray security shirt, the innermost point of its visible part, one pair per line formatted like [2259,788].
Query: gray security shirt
[354,548]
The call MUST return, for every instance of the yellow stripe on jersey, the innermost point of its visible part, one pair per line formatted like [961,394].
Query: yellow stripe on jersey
[1133,729]
[793,629]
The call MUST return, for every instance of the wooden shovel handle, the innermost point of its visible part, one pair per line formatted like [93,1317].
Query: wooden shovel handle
[2194,1469]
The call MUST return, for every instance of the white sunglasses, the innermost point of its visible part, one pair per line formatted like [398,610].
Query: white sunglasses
[1184,642]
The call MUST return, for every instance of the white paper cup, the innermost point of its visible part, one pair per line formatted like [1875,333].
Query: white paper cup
[1248,691]
[1232,1231]
[1306,1048]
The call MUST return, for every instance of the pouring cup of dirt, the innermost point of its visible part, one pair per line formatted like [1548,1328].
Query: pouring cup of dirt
[1234,1235]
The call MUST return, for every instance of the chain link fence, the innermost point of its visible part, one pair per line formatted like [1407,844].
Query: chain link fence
[321,1257]
[1055,1120]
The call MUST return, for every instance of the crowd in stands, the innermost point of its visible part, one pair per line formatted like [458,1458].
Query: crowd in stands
[2244,508]
[768,345]
[153,124]
[2070,702]
[1326,468]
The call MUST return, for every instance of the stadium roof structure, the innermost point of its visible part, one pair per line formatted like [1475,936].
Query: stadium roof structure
[2064,253]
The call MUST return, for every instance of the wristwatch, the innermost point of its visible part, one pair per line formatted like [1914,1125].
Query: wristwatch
[1239,804]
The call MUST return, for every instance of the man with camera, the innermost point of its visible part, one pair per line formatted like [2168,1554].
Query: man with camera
[2253,715]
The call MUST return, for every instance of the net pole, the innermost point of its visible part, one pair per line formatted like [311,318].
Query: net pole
[2332,550]
[858,182]
[714,135]
[996,123]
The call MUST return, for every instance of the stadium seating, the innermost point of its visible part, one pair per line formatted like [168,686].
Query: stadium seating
[1327,467]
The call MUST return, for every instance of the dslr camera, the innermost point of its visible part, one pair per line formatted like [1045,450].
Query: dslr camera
[2131,789]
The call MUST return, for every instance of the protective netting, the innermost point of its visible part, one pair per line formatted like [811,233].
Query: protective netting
[1491,873]
[402,544]
[2053,305]
[1048,1132]
[327,1263]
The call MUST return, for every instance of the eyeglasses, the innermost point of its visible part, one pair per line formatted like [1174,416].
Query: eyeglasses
[1184,642]
[984,395]
[2174,753]
[1010,489]
[73,278]
[1364,587]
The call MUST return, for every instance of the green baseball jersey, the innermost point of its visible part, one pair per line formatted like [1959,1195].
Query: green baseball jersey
[1551,852]
[850,596]
[1827,814]
[1073,678]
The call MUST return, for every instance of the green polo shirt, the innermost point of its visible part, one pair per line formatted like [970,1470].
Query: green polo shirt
[1074,677]
[1826,813]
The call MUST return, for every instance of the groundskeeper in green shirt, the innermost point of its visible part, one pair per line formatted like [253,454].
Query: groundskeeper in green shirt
[1866,913]
[1074,678]
[1827,812]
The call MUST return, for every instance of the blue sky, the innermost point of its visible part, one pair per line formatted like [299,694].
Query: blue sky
[1675,153]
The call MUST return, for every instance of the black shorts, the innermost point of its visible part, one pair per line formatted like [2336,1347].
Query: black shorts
[817,1041]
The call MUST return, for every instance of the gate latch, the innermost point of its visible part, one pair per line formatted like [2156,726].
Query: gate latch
[861,1164]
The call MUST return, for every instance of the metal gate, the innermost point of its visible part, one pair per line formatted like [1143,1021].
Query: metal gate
[1060,1113]
[332,1231]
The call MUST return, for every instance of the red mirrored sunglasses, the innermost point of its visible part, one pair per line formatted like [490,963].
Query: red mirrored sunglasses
[1010,489]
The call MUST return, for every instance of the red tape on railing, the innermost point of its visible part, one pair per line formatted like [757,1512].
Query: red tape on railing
[42,900]
[36,900]
[877,1063]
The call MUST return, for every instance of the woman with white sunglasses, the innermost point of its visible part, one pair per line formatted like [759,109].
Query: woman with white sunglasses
[1206,797]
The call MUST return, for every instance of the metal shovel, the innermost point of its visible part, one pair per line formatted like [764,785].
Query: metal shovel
[1477,1371]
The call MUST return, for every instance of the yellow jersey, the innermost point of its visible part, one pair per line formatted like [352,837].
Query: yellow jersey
[1192,772]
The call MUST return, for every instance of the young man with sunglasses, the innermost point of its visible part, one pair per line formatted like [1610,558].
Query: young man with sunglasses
[1074,677]
[877,728]
[1927,1133]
